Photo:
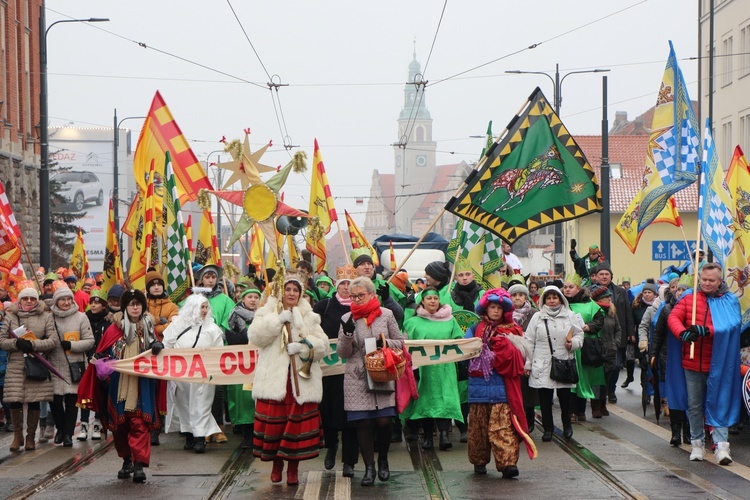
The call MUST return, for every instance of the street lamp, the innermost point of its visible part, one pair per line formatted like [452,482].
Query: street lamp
[116,168]
[44,196]
[557,82]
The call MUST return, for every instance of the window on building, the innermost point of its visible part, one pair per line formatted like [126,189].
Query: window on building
[420,134]
[744,58]
[727,144]
[744,136]
[727,65]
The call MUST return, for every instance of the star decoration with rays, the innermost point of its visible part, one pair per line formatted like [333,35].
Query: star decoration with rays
[245,165]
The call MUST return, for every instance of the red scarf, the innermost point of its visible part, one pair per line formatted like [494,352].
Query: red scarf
[369,311]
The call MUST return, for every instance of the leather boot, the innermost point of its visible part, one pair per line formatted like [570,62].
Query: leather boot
[384,471]
[369,478]
[155,438]
[32,422]
[596,409]
[427,445]
[330,460]
[675,423]
[126,470]
[603,407]
[630,366]
[247,437]
[445,443]
[16,415]
[200,445]
[292,478]
[685,428]
[189,442]
[138,475]
[278,468]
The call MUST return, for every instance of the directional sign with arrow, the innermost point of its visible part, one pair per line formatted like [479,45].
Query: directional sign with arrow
[672,249]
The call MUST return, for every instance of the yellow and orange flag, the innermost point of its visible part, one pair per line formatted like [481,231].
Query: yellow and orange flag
[112,272]
[256,247]
[207,247]
[393,257]
[143,238]
[737,181]
[160,134]
[79,263]
[189,234]
[322,211]
[358,240]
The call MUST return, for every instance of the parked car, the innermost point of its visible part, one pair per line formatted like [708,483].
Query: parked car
[79,188]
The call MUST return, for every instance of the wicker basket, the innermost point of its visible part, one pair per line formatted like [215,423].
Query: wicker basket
[375,364]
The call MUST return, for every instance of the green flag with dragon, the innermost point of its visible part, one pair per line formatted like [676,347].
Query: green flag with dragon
[533,176]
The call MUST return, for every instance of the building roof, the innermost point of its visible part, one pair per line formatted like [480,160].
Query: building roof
[630,152]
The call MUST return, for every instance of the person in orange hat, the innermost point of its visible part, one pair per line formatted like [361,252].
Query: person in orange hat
[4,288]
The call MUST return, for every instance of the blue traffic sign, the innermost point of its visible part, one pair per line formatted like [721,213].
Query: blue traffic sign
[671,249]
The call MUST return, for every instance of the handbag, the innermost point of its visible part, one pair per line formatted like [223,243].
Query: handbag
[593,352]
[77,368]
[34,369]
[562,370]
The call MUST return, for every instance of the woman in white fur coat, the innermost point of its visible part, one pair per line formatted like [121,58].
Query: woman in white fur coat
[189,405]
[287,425]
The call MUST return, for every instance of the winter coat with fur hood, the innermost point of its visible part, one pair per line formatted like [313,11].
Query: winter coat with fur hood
[272,370]
[17,388]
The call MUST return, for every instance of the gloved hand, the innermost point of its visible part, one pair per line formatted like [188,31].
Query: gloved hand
[20,331]
[701,330]
[689,336]
[162,320]
[24,345]
[156,348]
[573,244]
[384,292]
[642,345]
[65,344]
[379,343]
[100,355]
[293,348]
[285,316]
[348,326]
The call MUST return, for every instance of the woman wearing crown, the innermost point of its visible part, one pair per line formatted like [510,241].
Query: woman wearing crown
[288,336]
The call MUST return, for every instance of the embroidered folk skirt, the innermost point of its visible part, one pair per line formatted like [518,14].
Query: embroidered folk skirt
[286,429]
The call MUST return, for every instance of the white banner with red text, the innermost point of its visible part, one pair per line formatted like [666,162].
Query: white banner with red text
[236,364]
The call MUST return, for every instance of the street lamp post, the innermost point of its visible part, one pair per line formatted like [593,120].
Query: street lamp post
[116,168]
[45,257]
[557,82]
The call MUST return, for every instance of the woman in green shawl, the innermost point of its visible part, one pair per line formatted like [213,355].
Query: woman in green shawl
[439,401]
[590,378]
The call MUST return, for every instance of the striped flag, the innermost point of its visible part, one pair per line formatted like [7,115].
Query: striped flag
[322,211]
[393,257]
[714,202]
[207,248]
[189,233]
[177,258]
[143,239]
[112,272]
[10,250]
[358,240]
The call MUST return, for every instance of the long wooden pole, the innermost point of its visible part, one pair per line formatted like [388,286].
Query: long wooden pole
[460,188]
[343,245]
[695,282]
[31,264]
[455,262]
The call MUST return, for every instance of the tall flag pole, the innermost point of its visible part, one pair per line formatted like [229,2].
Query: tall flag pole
[672,157]
[112,272]
[322,211]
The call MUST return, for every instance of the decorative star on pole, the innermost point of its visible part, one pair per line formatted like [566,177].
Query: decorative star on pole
[245,165]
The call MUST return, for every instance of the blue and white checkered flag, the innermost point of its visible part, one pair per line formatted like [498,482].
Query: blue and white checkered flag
[714,201]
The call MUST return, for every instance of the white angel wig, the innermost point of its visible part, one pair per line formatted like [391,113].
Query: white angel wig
[190,312]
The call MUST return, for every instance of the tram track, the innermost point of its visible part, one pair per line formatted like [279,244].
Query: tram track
[427,463]
[237,463]
[67,468]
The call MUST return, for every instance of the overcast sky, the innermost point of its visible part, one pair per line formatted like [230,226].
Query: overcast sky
[346,64]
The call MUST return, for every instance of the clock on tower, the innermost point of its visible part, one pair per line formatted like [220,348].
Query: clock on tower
[421,160]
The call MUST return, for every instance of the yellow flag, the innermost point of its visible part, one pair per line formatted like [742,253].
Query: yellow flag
[322,211]
[112,273]
[627,227]
[207,248]
[79,263]
[256,247]
[737,268]
[143,238]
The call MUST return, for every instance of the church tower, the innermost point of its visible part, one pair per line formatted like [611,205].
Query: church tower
[414,151]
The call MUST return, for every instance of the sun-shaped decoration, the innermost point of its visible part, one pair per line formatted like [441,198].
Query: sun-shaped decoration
[245,165]
[577,187]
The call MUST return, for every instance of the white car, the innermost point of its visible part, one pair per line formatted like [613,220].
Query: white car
[79,188]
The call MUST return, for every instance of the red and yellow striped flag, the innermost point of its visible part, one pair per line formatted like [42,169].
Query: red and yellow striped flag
[393,257]
[160,134]
[207,247]
[358,239]
[189,234]
[112,272]
[322,211]
[144,235]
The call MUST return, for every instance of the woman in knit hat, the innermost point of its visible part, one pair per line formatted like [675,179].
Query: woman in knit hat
[240,402]
[100,318]
[193,328]
[523,311]
[612,338]
[75,338]
[495,399]
[645,298]
[31,314]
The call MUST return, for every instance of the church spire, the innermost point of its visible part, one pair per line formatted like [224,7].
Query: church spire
[412,92]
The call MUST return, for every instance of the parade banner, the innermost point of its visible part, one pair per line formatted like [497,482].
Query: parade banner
[236,364]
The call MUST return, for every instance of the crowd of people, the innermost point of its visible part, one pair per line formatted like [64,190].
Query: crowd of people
[55,346]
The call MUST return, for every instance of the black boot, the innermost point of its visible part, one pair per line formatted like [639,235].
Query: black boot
[630,366]
[427,444]
[127,469]
[189,441]
[200,445]
[138,475]
[675,423]
[369,478]
[445,444]
[685,428]
[155,438]
[330,460]
[384,472]
[247,437]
